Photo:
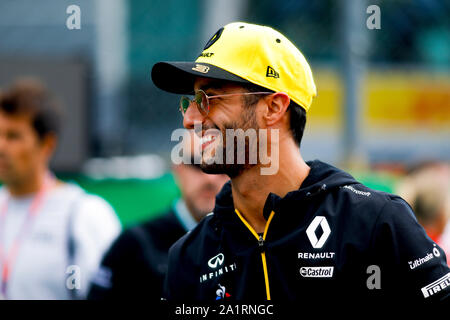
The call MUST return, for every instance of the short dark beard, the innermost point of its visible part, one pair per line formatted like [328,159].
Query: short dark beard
[248,121]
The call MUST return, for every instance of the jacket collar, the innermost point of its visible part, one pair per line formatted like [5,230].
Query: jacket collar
[321,179]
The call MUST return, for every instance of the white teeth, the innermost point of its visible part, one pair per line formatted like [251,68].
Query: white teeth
[208,138]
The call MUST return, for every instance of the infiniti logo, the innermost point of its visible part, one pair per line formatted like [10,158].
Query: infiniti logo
[219,269]
[216,261]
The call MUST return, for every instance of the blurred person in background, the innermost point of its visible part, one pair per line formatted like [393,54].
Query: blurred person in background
[52,234]
[135,266]
[427,189]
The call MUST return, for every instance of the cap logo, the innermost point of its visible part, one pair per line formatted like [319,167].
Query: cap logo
[213,39]
[206,54]
[201,68]
[272,73]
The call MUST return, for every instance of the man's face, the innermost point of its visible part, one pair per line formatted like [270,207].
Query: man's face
[198,189]
[225,113]
[21,151]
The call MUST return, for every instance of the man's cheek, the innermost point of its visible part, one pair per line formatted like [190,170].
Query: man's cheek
[27,159]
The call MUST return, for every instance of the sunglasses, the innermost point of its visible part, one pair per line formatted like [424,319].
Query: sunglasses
[201,100]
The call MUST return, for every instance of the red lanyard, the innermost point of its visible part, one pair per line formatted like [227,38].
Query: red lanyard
[9,258]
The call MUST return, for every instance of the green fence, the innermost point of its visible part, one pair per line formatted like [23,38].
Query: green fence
[134,200]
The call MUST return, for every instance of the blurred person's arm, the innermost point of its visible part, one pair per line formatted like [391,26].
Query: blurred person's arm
[179,284]
[135,265]
[125,272]
[115,274]
[94,227]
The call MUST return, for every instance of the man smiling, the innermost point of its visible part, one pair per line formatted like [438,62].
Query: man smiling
[309,231]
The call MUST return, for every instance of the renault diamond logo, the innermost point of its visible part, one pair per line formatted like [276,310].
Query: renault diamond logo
[311,232]
[216,261]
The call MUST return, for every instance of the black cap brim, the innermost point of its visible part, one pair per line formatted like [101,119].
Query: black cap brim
[179,77]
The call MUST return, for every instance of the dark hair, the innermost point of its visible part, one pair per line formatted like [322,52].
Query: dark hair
[297,113]
[30,97]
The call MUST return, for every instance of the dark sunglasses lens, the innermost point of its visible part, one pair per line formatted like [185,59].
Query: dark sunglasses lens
[184,104]
[202,102]
[198,97]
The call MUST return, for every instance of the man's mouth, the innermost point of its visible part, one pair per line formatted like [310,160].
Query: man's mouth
[206,140]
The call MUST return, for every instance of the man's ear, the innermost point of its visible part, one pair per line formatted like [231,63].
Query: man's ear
[49,142]
[277,105]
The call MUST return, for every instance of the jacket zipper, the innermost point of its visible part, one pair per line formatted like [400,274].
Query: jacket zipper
[261,240]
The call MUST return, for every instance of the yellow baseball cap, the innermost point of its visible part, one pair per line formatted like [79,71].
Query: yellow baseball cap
[244,52]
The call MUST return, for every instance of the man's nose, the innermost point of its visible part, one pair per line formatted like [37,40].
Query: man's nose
[192,116]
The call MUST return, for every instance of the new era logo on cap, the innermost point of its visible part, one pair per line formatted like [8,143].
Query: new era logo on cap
[272,73]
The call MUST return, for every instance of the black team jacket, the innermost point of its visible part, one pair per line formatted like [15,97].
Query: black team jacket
[135,265]
[331,240]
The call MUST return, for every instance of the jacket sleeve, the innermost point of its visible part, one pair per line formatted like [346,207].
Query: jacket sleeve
[115,271]
[178,283]
[412,266]
[129,271]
